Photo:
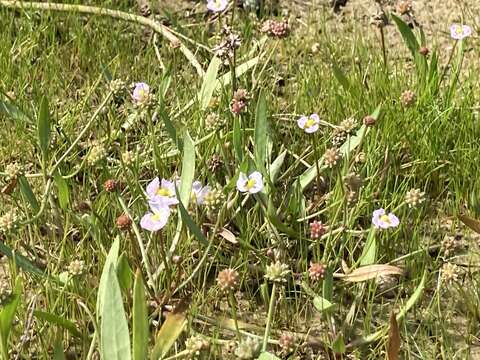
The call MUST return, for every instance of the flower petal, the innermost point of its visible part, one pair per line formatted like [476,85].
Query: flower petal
[152,187]
[315,117]
[394,221]
[242,182]
[302,122]
[148,223]
[312,129]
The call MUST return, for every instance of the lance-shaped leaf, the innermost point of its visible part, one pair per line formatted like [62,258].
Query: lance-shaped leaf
[209,83]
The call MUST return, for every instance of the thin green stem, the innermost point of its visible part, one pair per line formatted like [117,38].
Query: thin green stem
[271,311]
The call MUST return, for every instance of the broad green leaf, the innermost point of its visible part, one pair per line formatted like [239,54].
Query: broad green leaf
[9,109]
[7,315]
[124,273]
[140,320]
[21,261]
[111,259]
[262,138]
[63,191]
[267,356]
[408,36]
[43,127]
[237,139]
[369,253]
[322,304]
[58,320]
[327,285]
[239,71]
[277,166]
[209,83]
[169,332]
[114,334]
[188,169]
[338,345]
[27,192]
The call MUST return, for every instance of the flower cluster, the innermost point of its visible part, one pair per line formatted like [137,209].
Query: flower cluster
[162,196]
[239,102]
[226,48]
[275,28]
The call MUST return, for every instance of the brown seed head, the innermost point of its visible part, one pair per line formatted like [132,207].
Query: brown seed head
[110,185]
[124,222]
[369,120]
[228,280]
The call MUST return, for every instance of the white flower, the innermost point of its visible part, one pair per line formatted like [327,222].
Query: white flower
[251,184]
[199,192]
[310,124]
[217,5]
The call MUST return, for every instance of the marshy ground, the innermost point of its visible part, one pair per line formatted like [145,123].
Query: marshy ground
[277,134]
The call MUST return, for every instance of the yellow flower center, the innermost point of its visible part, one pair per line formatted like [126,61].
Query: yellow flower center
[164,192]
[385,218]
[250,184]
[310,122]
[156,217]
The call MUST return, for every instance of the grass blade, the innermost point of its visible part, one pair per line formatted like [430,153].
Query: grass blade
[115,338]
[209,83]
[262,138]
[58,320]
[21,261]
[140,320]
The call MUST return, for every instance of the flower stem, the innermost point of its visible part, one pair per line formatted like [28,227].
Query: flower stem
[384,49]
[317,159]
[448,63]
[233,305]
[271,310]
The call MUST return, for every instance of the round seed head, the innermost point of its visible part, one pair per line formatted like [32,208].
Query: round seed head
[228,280]
[124,222]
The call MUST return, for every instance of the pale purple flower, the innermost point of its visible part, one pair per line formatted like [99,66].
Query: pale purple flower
[199,192]
[460,32]
[141,93]
[156,219]
[217,5]
[309,123]
[162,193]
[252,183]
[382,220]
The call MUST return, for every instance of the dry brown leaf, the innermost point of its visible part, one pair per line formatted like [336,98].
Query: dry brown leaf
[7,189]
[370,272]
[393,343]
[228,235]
[470,222]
